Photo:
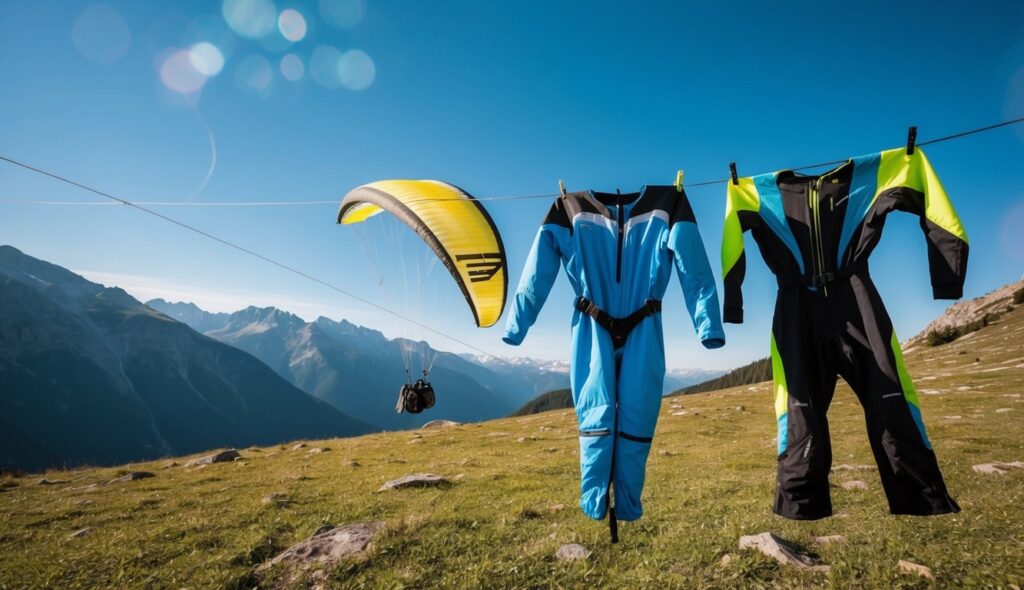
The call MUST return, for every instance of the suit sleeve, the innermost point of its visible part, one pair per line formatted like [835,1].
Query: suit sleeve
[538,276]
[740,201]
[695,276]
[919,191]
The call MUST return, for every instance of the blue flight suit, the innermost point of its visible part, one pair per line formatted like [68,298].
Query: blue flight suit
[618,252]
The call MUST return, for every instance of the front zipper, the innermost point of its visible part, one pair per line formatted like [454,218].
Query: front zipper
[618,256]
[817,248]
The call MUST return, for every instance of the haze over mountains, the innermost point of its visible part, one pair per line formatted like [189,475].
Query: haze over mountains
[88,374]
[359,371]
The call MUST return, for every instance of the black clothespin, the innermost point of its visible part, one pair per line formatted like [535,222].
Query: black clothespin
[679,181]
[911,140]
[561,187]
[732,173]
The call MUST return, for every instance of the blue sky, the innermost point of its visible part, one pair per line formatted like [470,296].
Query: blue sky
[501,99]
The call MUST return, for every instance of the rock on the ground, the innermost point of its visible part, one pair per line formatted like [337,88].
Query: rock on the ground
[324,550]
[845,467]
[726,560]
[909,567]
[440,424]
[132,476]
[298,446]
[828,540]
[572,552]
[854,484]
[416,480]
[1003,410]
[783,551]
[50,482]
[219,457]
[318,450]
[81,533]
[997,467]
[276,499]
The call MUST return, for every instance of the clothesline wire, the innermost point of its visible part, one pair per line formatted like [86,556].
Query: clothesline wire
[141,206]
[494,198]
[245,250]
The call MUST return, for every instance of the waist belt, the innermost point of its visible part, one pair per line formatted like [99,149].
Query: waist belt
[618,328]
[825,278]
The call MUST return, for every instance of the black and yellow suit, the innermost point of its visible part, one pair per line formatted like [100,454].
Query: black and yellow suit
[816,233]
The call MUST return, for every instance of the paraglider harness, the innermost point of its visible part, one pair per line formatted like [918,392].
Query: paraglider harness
[618,328]
[415,397]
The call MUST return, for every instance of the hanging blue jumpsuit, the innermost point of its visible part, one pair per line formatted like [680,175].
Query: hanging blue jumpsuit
[618,252]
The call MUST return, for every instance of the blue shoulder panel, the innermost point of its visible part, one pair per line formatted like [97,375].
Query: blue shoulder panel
[862,194]
[774,215]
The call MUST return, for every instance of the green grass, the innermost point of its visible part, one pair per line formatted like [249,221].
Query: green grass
[710,480]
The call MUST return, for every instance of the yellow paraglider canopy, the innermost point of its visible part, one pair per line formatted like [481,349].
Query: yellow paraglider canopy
[453,224]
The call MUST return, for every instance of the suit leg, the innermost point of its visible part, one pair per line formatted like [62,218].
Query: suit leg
[875,370]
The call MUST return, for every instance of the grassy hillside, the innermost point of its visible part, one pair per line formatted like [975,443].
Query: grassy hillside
[514,491]
[552,400]
[755,372]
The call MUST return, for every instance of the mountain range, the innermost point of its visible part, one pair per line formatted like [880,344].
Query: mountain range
[359,371]
[89,375]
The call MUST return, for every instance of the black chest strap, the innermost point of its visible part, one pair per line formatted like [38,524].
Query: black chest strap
[618,328]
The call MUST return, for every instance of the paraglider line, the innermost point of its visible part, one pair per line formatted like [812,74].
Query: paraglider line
[245,250]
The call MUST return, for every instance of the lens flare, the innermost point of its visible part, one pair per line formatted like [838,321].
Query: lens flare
[323,66]
[345,14]
[206,58]
[250,18]
[292,25]
[255,74]
[178,73]
[356,70]
[292,67]
[1010,235]
[100,34]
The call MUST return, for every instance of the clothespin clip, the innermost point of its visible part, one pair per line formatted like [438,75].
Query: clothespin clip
[561,187]
[911,140]
[679,181]
[732,173]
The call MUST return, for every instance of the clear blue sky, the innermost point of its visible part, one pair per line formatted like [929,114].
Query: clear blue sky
[499,98]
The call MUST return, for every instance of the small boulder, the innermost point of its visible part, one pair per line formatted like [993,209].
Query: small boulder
[782,551]
[298,446]
[845,467]
[169,465]
[440,424]
[219,457]
[1003,410]
[318,450]
[81,533]
[276,499]
[50,482]
[726,561]
[324,550]
[854,484]
[997,467]
[416,480]
[572,552]
[828,540]
[909,567]
[131,476]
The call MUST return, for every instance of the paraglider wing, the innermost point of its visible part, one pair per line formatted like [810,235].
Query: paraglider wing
[453,224]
